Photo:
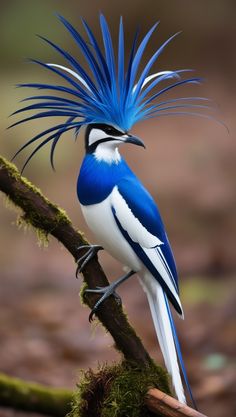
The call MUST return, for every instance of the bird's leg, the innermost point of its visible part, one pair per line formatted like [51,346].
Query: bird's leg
[92,250]
[107,291]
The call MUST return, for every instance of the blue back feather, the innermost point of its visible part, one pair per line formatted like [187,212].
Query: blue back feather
[111,92]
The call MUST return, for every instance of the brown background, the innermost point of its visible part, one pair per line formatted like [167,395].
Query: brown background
[189,167]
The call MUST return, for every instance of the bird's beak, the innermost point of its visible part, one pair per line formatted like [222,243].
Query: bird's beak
[134,140]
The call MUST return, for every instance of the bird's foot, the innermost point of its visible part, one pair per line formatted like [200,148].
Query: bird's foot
[107,292]
[92,250]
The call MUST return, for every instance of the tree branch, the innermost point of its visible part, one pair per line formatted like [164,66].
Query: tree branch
[160,403]
[29,396]
[50,219]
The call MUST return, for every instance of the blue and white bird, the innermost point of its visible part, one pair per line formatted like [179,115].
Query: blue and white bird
[109,96]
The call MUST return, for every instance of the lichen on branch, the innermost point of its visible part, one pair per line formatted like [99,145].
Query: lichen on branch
[26,196]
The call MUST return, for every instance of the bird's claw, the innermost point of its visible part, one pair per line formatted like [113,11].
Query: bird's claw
[92,250]
[91,315]
[106,291]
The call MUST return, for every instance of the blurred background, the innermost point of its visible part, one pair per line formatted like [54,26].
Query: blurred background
[190,168]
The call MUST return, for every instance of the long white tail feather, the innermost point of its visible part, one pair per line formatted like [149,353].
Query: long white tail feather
[164,333]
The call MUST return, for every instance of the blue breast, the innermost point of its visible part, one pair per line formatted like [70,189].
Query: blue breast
[97,179]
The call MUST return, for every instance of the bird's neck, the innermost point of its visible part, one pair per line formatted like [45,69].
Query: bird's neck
[99,175]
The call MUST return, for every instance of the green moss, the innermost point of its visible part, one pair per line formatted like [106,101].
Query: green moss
[31,396]
[41,223]
[83,237]
[42,238]
[126,397]
[117,391]
[42,235]
[82,293]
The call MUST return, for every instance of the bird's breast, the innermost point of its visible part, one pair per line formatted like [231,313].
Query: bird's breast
[100,220]
[97,179]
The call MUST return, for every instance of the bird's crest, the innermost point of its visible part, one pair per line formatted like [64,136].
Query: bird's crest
[116,93]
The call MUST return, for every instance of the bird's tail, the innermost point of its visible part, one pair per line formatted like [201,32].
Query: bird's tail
[166,333]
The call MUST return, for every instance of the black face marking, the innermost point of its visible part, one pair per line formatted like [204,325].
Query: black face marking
[107,129]
[110,130]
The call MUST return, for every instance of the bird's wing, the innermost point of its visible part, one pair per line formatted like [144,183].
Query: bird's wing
[138,219]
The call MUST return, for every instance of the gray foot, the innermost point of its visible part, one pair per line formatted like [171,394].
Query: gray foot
[92,250]
[107,292]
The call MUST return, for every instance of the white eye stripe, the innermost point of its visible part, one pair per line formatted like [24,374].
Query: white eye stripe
[97,134]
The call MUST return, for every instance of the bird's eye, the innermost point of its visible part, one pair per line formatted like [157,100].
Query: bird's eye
[110,130]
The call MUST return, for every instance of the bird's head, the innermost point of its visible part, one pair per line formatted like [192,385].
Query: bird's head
[103,140]
[110,98]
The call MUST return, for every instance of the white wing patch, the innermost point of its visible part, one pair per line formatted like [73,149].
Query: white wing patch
[160,264]
[137,232]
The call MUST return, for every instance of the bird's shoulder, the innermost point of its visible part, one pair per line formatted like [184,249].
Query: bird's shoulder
[141,204]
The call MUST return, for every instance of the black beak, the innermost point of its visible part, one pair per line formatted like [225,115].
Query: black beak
[134,140]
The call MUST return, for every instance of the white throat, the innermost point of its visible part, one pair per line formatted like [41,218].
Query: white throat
[108,152]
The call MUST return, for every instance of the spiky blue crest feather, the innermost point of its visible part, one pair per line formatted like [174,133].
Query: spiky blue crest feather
[113,93]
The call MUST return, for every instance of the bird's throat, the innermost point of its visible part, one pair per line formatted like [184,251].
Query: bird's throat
[107,153]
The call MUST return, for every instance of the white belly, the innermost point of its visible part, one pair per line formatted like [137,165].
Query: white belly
[100,219]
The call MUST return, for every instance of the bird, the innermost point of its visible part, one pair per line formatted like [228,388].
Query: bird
[107,95]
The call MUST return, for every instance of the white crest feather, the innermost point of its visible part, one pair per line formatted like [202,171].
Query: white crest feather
[71,72]
[171,74]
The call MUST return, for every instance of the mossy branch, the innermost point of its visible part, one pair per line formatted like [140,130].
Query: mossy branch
[29,396]
[50,219]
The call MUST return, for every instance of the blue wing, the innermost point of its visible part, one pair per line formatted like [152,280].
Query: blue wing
[139,220]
